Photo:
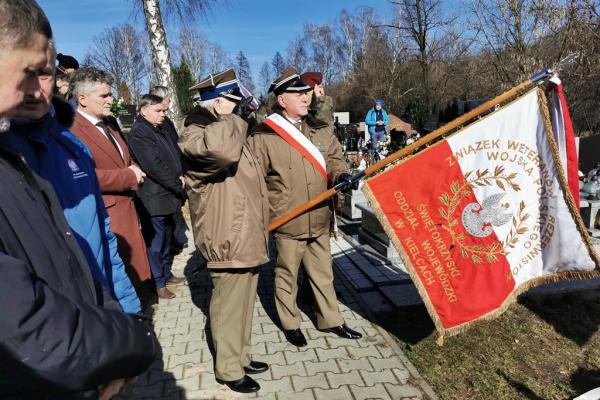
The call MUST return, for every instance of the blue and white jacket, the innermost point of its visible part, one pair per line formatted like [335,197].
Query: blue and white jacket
[58,156]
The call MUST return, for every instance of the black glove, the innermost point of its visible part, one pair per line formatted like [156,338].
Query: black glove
[346,178]
[243,108]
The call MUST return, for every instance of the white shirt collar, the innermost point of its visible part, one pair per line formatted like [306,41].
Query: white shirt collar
[93,120]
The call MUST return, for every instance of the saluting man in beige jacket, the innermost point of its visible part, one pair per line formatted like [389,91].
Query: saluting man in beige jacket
[229,212]
[299,155]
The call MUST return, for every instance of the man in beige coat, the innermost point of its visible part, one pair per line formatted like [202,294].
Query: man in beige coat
[299,156]
[229,212]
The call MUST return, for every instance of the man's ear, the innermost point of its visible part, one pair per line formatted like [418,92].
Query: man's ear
[281,100]
[82,99]
[217,105]
[143,112]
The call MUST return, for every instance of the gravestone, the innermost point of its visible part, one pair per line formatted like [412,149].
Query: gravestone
[590,213]
[127,116]
[349,202]
[372,233]
[342,118]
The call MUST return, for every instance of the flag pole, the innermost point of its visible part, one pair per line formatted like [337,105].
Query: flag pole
[412,147]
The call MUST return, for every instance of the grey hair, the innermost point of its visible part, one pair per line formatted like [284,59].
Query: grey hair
[19,21]
[85,79]
[208,104]
[149,100]
[161,91]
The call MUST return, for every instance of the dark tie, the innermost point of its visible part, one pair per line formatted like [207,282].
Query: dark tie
[102,125]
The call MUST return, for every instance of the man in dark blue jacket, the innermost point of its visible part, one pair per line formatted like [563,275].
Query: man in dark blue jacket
[55,341]
[60,157]
[163,191]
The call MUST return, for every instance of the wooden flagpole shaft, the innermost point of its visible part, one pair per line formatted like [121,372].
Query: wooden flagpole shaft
[412,147]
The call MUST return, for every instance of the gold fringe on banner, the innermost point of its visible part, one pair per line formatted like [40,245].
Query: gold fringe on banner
[573,209]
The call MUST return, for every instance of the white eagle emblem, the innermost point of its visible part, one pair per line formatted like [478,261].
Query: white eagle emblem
[73,165]
[478,219]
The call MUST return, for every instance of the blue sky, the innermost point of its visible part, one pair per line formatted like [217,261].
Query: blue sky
[259,28]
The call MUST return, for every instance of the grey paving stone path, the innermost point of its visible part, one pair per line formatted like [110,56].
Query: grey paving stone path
[328,368]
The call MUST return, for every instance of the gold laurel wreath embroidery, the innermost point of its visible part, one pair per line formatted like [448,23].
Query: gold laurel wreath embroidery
[516,228]
[483,178]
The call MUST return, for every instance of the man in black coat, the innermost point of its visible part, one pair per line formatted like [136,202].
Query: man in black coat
[179,240]
[55,341]
[163,190]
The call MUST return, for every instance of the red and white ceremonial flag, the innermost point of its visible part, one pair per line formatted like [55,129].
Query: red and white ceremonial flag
[484,214]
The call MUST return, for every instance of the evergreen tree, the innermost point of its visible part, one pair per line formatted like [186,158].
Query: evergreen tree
[416,113]
[183,81]
[124,93]
[244,73]
[278,64]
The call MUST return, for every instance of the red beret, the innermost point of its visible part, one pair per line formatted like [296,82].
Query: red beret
[312,78]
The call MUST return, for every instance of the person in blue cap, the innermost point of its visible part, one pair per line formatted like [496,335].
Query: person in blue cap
[377,120]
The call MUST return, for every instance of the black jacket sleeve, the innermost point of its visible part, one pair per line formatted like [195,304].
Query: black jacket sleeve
[49,343]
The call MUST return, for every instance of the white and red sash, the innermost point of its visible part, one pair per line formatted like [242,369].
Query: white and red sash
[298,141]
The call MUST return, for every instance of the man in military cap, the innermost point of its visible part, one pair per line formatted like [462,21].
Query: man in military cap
[229,212]
[299,156]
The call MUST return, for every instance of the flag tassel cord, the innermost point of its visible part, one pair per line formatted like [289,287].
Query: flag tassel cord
[458,122]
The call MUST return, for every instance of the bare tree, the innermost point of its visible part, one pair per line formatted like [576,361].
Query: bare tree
[218,58]
[185,12]
[265,78]
[119,51]
[423,22]
[193,47]
[325,48]
[297,54]
[151,76]
[134,61]
[354,30]
[423,60]
[512,31]
[278,64]
[580,35]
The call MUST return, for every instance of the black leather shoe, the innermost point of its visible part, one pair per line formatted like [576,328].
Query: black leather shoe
[295,337]
[242,385]
[256,367]
[344,332]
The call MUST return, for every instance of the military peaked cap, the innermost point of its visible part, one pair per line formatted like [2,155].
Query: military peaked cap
[224,84]
[289,81]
